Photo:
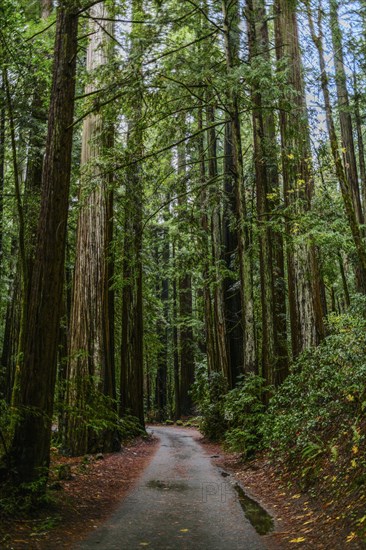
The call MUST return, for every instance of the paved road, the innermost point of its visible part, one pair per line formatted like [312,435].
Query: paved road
[181,502]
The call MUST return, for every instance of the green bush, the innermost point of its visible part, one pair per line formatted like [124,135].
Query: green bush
[324,394]
[208,393]
[245,415]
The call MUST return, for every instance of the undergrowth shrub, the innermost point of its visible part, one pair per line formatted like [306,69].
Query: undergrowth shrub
[323,398]
[235,416]
[245,415]
[208,393]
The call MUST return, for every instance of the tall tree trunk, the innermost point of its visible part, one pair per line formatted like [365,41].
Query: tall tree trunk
[360,139]
[219,323]
[132,357]
[29,207]
[177,405]
[273,297]
[345,119]
[234,172]
[91,362]
[306,313]
[341,172]
[211,348]
[162,259]
[2,171]
[30,446]
[186,343]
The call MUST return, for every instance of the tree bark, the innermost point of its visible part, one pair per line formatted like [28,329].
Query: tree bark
[234,172]
[345,119]
[306,315]
[132,356]
[91,349]
[186,341]
[341,172]
[219,322]
[30,446]
[273,298]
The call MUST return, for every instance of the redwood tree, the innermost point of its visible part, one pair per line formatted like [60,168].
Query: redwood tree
[30,447]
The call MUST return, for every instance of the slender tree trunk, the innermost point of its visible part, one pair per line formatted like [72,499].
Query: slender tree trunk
[177,405]
[219,323]
[360,140]
[186,343]
[273,298]
[2,170]
[342,174]
[211,348]
[162,259]
[348,148]
[30,446]
[230,10]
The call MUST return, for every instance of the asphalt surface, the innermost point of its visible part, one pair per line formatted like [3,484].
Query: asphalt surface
[181,502]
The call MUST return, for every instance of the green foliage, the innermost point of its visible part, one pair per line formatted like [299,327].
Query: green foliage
[209,393]
[129,427]
[237,416]
[245,414]
[323,396]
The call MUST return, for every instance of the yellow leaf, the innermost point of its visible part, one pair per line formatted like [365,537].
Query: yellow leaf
[296,496]
[351,536]
[350,397]
[354,463]
[184,530]
[290,156]
[300,539]
[355,449]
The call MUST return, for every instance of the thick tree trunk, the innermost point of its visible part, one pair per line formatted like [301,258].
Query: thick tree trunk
[30,447]
[306,314]
[91,350]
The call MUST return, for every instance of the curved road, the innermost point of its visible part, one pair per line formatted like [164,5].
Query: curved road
[180,502]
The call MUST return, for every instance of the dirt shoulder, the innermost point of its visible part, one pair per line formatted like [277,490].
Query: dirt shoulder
[82,503]
[301,519]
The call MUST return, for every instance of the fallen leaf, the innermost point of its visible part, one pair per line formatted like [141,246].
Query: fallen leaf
[300,539]
[351,536]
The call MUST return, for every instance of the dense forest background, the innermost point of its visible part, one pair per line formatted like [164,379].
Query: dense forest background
[182,226]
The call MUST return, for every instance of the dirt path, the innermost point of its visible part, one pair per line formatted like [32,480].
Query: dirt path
[180,502]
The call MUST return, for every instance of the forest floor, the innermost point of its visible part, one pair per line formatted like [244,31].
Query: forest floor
[83,502]
[307,520]
[97,486]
